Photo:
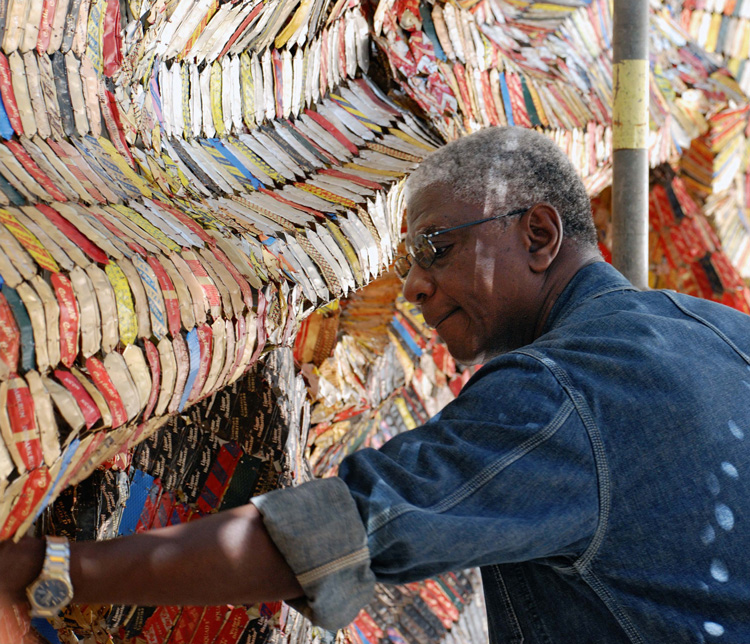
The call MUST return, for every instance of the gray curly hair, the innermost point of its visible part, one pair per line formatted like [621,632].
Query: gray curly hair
[504,168]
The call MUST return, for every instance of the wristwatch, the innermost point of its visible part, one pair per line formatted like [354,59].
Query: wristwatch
[52,590]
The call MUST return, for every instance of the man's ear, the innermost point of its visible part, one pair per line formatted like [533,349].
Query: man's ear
[544,235]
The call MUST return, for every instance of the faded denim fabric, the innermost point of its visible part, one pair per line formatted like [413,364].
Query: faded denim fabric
[599,476]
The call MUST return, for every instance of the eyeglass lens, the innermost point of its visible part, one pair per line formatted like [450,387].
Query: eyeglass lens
[423,251]
[402,266]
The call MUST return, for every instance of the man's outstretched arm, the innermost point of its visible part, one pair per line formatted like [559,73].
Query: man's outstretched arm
[226,558]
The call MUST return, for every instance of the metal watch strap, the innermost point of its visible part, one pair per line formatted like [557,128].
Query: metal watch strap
[57,557]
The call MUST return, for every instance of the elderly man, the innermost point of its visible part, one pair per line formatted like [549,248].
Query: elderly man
[597,467]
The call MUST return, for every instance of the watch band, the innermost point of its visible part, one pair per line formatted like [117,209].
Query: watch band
[57,556]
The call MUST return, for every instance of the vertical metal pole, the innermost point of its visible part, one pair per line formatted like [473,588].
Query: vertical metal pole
[630,138]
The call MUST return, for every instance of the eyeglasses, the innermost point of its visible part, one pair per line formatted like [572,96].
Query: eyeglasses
[424,253]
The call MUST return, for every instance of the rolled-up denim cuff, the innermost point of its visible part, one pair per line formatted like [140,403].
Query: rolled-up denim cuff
[318,530]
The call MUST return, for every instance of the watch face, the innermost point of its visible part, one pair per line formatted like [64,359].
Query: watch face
[49,593]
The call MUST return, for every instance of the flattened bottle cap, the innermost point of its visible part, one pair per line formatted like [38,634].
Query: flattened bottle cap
[110,114]
[247,356]
[70,24]
[96,396]
[101,378]
[46,173]
[60,77]
[51,318]
[195,101]
[88,407]
[139,297]
[23,324]
[29,186]
[253,163]
[225,302]
[210,291]
[197,294]
[154,296]
[230,357]
[33,304]
[147,235]
[225,279]
[227,265]
[32,245]
[75,89]
[233,175]
[36,96]
[216,359]
[182,360]
[154,365]
[327,269]
[169,294]
[67,406]
[240,262]
[183,84]
[107,301]
[205,348]
[45,25]
[121,378]
[45,418]
[116,242]
[126,316]
[34,488]
[100,168]
[209,129]
[64,248]
[90,88]
[231,82]
[121,233]
[183,298]
[349,252]
[118,167]
[24,441]
[80,230]
[85,172]
[14,24]
[80,31]
[82,455]
[75,238]
[168,375]
[62,169]
[91,330]
[193,167]
[215,90]
[69,318]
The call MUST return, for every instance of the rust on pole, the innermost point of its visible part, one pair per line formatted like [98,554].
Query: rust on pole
[630,140]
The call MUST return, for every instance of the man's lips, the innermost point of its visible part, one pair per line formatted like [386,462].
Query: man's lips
[444,318]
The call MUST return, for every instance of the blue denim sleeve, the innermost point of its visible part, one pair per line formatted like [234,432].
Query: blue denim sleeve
[505,473]
[318,530]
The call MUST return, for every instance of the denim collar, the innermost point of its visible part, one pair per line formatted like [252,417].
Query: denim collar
[589,282]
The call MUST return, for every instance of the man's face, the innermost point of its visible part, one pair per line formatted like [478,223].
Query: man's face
[479,294]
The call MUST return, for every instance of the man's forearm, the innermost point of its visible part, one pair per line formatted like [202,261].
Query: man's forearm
[224,558]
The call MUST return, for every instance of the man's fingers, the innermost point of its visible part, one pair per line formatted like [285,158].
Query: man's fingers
[15,624]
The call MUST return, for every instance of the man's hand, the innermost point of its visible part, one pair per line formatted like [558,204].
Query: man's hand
[20,564]
[14,622]
[226,558]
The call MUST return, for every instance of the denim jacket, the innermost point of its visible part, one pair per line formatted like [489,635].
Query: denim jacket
[600,477]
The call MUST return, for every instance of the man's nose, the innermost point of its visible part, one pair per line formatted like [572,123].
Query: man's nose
[418,284]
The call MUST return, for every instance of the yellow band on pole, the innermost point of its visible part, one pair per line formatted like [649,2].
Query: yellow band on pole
[630,113]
